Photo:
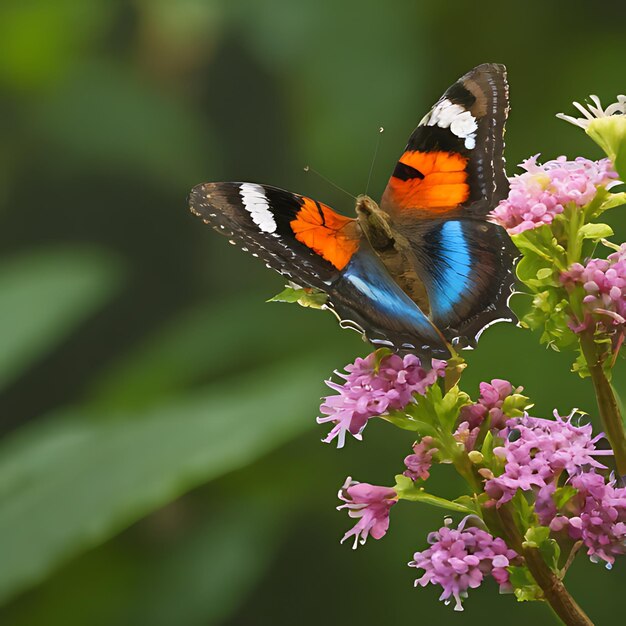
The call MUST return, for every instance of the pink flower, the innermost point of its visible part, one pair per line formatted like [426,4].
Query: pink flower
[492,397]
[537,450]
[418,464]
[538,195]
[596,515]
[459,559]
[371,505]
[369,391]
[467,436]
[604,282]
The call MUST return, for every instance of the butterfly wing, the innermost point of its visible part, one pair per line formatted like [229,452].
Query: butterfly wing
[299,237]
[450,175]
[314,246]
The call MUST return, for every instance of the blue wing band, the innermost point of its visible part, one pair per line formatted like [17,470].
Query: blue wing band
[366,295]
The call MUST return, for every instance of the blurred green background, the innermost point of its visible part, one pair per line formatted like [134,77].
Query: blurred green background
[160,462]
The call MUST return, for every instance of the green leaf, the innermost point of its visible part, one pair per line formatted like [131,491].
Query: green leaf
[595,232]
[563,495]
[541,243]
[524,585]
[472,504]
[534,270]
[404,421]
[379,355]
[524,510]
[550,314]
[487,448]
[551,553]
[539,537]
[515,405]
[449,407]
[432,414]
[306,297]
[44,295]
[408,490]
[424,408]
[545,272]
[90,475]
[535,536]
[613,200]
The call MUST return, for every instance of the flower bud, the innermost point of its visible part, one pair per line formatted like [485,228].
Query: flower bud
[476,457]
[610,134]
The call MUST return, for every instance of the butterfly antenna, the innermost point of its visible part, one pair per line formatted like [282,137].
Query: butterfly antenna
[381,130]
[308,168]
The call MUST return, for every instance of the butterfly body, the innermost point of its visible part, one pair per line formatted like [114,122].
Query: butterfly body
[424,269]
[393,248]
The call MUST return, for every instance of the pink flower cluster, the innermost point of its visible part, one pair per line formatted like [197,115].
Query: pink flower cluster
[595,515]
[371,505]
[492,397]
[459,559]
[537,450]
[604,281]
[369,391]
[538,195]
[418,464]
[489,406]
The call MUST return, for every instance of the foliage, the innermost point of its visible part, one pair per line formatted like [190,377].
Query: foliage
[116,308]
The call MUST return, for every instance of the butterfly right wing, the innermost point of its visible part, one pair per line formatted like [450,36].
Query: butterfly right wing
[314,246]
[450,175]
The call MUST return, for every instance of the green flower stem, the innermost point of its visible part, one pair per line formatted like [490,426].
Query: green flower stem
[554,591]
[574,242]
[607,402]
[454,369]
[466,470]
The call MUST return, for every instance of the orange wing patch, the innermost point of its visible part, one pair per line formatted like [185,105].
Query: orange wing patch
[429,180]
[332,236]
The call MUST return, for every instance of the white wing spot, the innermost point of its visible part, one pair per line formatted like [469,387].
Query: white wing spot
[255,202]
[461,122]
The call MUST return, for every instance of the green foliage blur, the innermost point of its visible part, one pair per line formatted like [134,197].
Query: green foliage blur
[160,463]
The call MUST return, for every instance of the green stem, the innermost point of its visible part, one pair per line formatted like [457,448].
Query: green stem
[574,247]
[554,591]
[607,402]
[465,468]
[454,368]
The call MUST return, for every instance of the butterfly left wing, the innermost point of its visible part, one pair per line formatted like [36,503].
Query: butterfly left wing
[315,246]
[450,175]
[299,237]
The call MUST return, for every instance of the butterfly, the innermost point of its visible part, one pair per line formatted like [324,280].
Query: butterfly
[423,270]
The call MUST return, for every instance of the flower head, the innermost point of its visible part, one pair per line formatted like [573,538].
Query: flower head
[490,406]
[595,515]
[541,193]
[459,559]
[492,397]
[373,388]
[607,127]
[418,464]
[466,435]
[371,505]
[604,282]
[537,450]
[594,111]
